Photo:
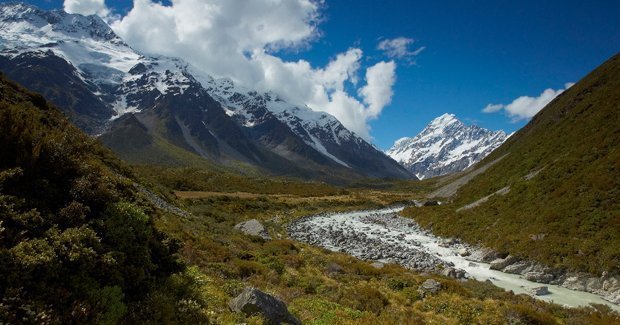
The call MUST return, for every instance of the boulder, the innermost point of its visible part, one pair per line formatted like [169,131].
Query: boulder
[485,255]
[463,252]
[453,273]
[429,286]
[431,203]
[518,268]
[253,227]
[540,291]
[255,302]
[499,264]
[540,277]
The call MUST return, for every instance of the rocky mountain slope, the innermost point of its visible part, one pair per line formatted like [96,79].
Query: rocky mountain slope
[445,146]
[152,106]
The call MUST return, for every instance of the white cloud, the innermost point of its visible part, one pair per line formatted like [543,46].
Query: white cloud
[492,108]
[86,7]
[378,90]
[398,48]
[239,39]
[525,107]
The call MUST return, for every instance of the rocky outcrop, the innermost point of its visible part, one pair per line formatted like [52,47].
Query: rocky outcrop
[255,302]
[254,228]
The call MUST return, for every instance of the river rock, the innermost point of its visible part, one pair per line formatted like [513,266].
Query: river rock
[255,302]
[539,291]
[500,264]
[448,242]
[253,227]
[518,268]
[484,254]
[429,286]
[540,277]
[453,273]
[575,282]
[463,252]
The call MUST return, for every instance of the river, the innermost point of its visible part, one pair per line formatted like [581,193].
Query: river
[385,236]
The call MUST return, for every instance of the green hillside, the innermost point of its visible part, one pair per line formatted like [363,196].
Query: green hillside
[563,171]
[77,240]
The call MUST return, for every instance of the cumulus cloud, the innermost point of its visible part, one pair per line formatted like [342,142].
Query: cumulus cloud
[86,7]
[398,48]
[241,39]
[378,90]
[525,107]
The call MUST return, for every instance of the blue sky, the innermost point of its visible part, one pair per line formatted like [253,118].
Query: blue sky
[476,52]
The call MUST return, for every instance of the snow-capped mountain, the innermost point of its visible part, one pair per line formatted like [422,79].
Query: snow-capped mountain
[144,104]
[321,131]
[445,146]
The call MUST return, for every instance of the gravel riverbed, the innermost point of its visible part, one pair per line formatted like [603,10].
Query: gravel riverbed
[384,236]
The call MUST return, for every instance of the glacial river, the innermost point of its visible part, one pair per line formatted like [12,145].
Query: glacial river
[397,233]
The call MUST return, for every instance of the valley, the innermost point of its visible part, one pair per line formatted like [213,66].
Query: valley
[203,168]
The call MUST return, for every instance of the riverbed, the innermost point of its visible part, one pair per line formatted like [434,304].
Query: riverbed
[385,236]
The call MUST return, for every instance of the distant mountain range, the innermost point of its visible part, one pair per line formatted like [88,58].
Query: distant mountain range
[161,109]
[445,146]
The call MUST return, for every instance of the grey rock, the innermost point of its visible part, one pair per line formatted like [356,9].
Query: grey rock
[539,291]
[253,227]
[540,277]
[485,255]
[429,286]
[517,268]
[500,264]
[463,252]
[255,302]
[575,282]
[453,273]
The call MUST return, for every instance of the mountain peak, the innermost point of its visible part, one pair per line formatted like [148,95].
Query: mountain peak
[58,21]
[444,120]
[445,146]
